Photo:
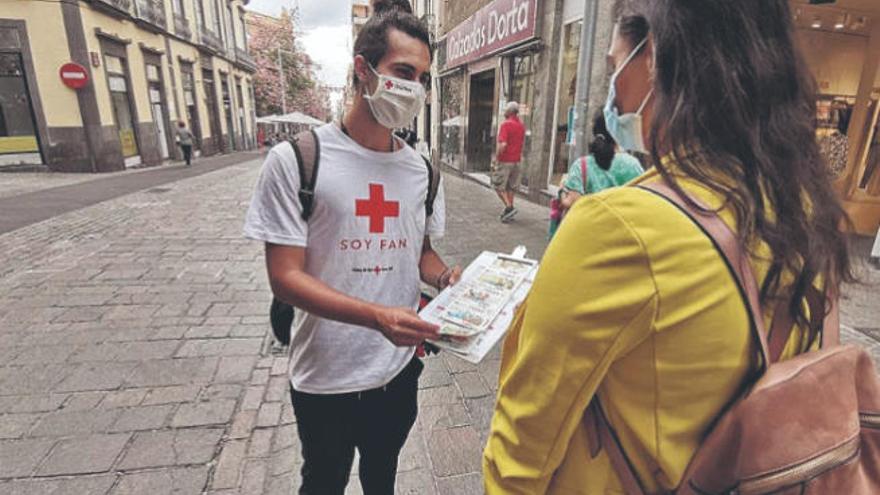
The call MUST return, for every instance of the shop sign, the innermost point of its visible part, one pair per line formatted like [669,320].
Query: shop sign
[500,24]
[73,75]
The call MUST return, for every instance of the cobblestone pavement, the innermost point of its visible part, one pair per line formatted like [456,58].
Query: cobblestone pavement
[16,183]
[134,352]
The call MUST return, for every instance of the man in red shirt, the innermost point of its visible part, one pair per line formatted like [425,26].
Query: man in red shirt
[506,175]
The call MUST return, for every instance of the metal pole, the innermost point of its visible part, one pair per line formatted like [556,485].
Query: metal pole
[283,82]
[584,75]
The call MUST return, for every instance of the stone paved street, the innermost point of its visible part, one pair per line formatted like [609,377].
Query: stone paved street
[135,353]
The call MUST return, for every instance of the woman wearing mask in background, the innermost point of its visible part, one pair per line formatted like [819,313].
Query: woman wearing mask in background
[602,169]
[633,303]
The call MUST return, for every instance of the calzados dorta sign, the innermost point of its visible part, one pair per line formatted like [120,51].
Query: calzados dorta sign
[496,26]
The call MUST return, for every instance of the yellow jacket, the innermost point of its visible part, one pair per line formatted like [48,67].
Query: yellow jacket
[634,303]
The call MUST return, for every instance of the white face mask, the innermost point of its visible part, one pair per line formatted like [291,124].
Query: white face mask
[626,129]
[396,102]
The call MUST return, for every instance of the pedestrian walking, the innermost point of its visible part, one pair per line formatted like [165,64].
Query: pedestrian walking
[634,310]
[603,168]
[185,141]
[508,155]
[349,253]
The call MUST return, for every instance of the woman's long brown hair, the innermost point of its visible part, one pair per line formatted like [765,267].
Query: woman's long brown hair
[739,115]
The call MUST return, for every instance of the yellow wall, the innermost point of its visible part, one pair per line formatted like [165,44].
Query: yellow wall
[126,30]
[835,58]
[48,46]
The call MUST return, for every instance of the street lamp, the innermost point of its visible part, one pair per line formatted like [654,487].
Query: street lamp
[283,80]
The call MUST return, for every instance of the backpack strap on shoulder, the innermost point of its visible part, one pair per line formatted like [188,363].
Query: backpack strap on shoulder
[433,186]
[307,149]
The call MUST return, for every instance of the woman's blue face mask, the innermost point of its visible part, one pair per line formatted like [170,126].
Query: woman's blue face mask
[626,129]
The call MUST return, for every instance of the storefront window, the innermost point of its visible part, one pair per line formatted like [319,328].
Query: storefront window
[523,70]
[870,181]
[565,100]
[17,130]
[121,104]
[452,121]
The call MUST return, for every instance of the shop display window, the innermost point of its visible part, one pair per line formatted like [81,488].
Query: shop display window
[17,130]
[564,135]
[522,71]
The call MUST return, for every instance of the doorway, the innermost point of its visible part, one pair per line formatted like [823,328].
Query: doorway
[159,120]
[116,69]
[157,107]
[229,143]
[19,143]
[481,105]
[189,99]
[213,114]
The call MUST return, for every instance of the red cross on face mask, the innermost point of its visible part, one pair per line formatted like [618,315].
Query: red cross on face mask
[377,209]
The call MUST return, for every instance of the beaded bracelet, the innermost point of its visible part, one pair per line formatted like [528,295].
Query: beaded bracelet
[440,278]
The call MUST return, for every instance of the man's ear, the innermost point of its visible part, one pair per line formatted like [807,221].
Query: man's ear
[361,69]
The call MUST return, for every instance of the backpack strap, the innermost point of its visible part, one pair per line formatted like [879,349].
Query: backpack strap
[433,186]
[727,243]
[307,149]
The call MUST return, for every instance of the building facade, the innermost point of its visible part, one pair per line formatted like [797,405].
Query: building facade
[142,66]
[489,53]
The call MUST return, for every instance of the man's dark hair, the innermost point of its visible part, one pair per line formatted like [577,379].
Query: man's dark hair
[383,6]
[372,41]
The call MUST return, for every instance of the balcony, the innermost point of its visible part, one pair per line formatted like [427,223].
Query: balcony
[245,60]
[181,27]
[211,41]
[115,8]
[150,14]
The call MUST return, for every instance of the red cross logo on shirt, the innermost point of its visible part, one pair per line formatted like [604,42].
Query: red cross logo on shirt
[377,208]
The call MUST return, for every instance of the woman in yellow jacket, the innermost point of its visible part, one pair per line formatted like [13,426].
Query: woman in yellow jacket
[632,302]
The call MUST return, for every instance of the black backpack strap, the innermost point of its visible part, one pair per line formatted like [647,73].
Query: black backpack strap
[433,186]
[307,149]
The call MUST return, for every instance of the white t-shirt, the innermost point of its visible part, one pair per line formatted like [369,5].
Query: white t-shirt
[364,239]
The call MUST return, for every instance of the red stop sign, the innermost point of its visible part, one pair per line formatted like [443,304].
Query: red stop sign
[74,75]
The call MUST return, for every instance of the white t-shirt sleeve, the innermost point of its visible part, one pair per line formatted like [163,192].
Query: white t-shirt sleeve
[437,222]
[275,213]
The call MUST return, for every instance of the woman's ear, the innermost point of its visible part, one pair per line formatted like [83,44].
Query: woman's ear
[652,58]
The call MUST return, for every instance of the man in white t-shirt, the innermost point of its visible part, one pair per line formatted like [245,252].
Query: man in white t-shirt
[354,268]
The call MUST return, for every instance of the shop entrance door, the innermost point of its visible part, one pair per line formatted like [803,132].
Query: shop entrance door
[213,114]
[481,139]
[156,105]
[117,79]
[18,135]
[229,144]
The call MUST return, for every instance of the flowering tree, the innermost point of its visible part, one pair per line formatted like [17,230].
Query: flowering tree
[286,75]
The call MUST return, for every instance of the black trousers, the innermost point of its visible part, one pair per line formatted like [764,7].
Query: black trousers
[375,422]
[187,152]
